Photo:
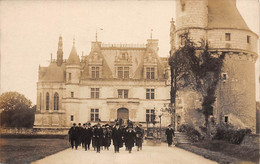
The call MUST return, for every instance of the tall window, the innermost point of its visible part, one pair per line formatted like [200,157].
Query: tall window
[56,101]
[122,93]
[71,94]
[94,115]
[95,72]
[47,101]
[69,76]
[150,73]
[228,37]
[149,93]
[71,118]
[123,72]
[150,115]
[94,93]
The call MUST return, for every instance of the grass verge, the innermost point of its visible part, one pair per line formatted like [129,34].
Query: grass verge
[27,150]
[223,152]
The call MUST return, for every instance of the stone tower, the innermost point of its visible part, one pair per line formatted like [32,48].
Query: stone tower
[220,23]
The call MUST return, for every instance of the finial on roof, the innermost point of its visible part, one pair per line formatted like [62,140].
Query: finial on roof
[51,57]
[74,40]
[151,34]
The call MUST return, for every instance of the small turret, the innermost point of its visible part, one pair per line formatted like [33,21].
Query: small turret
[73,66]
[73,58]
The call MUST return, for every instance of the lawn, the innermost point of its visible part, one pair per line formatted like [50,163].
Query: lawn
[27,150]
[242,153]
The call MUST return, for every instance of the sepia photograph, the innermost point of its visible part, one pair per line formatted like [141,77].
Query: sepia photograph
[129,82]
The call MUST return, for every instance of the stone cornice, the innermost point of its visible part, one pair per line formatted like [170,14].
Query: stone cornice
[237,54]
[206,29]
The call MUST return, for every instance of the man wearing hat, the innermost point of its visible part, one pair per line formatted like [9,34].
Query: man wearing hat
[80,134]
[169,133]
[73,135]
[139,137]
[88,133]
[130,137]
[117,137]
[107,137]
[98,133]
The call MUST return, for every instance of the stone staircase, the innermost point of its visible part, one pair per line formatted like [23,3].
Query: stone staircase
[182,138]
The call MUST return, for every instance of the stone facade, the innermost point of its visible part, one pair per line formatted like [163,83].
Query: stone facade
[220,23]
[112,82]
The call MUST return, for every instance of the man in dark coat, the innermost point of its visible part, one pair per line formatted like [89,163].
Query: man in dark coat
[80,134]
[94,138]
[98,133]
[117,137]
[139,137]
[130,138]
[73,136]
[169,133]
[107,137]
[88,133]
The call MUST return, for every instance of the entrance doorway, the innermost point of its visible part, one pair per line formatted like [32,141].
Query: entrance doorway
[123,115]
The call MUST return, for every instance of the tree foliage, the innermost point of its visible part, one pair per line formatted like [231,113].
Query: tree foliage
[17,110]
[200,70]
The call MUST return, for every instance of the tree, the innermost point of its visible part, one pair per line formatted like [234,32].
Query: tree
[179,78]
[201,72]
[17,110]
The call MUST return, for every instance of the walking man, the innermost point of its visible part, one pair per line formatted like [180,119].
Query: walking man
[130,138]
[98,133]
[117,137]
[139,137]
[88,136]
[169,133]
[73,136]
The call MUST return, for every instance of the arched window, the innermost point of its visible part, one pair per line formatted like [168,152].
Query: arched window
[47,101]
[56,101]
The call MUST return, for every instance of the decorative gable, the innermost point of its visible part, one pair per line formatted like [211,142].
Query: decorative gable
[95,58]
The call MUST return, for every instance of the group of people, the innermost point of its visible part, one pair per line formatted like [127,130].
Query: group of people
[101,136]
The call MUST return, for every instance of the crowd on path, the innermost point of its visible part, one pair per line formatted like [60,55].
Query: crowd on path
[101,136]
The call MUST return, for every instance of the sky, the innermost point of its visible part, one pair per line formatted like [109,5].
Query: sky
[30,32]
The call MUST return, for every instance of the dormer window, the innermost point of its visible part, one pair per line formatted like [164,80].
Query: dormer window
[228,37]
[150,73]
[94,72]
[123,72]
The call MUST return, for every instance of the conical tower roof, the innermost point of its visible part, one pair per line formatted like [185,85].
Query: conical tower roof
[224,14]
[73,58]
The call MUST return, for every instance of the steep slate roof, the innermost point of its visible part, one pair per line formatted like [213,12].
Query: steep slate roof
[73,58]
[224,14]
[54,73]
[106,71]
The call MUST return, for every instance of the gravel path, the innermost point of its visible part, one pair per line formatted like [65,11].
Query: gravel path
[149,155]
